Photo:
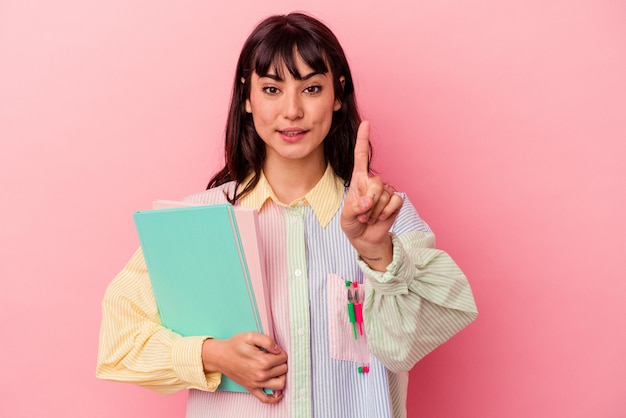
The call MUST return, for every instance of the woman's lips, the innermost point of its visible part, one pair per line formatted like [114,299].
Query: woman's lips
[292,135]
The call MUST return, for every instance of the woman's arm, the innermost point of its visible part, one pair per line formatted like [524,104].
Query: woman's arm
[135,347]
[416,296]
[419,302]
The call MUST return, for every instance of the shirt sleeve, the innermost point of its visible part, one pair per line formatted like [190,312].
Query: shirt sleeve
[135,347]
[419,302]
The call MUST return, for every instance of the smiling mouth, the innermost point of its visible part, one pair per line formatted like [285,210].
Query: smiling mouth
[292,133]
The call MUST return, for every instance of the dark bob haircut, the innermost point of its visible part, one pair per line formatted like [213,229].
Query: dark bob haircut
[273,44]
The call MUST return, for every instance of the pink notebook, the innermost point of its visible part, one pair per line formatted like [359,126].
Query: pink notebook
[248,227]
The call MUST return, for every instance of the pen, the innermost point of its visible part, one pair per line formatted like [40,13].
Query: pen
[358,308]
[351,313]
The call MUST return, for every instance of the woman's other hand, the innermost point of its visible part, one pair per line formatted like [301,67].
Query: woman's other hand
[250,359]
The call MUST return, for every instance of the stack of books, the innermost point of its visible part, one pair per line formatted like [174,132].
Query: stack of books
[207,270]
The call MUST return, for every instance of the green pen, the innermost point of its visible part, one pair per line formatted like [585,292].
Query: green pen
[351,313]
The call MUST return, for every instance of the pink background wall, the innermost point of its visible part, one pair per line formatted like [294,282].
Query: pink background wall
[503,120]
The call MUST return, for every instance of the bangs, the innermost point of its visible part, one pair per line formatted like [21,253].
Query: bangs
[280,49]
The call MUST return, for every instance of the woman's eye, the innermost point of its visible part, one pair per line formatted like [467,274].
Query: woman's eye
[313,89]
[270,90]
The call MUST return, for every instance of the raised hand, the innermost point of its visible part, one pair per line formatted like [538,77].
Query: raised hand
[370,208]
[253,360]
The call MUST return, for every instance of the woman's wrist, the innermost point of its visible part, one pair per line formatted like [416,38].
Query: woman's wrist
[377,257]
[210,355]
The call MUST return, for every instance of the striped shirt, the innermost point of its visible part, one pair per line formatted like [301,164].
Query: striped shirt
[420,301]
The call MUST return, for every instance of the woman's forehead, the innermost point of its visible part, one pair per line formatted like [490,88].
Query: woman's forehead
[294,65]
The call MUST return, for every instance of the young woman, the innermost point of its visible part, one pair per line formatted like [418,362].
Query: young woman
[297,151]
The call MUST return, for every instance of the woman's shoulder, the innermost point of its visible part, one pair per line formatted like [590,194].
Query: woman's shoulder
[212,196]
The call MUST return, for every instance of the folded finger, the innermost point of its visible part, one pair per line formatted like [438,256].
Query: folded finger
[279,370]
[276,383]
[392,207]
[381,204]
[267,398]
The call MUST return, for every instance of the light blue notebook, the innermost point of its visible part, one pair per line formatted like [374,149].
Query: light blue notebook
[198,272]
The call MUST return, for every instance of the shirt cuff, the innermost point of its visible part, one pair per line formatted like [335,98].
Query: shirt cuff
[187,364]
[396,278]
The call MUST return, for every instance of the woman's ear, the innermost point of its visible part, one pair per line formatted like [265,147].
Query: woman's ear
[247,104]
[338,103]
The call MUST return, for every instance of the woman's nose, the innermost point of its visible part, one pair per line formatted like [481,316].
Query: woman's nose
[292,106]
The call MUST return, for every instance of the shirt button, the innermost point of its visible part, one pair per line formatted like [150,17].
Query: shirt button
[302,393]
[301,203]
[301,332]
[298,273]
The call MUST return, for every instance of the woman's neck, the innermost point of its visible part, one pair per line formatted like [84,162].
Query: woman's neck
[291,180]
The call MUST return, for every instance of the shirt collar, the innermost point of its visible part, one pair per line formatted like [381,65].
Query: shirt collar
[325,198]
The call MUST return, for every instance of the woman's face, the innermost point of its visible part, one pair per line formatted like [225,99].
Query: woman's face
[293,116]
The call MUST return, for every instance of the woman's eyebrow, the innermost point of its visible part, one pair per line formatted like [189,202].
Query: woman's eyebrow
[276,77]
[313,74]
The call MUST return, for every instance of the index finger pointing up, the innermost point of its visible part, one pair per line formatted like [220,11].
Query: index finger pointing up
[362,148]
